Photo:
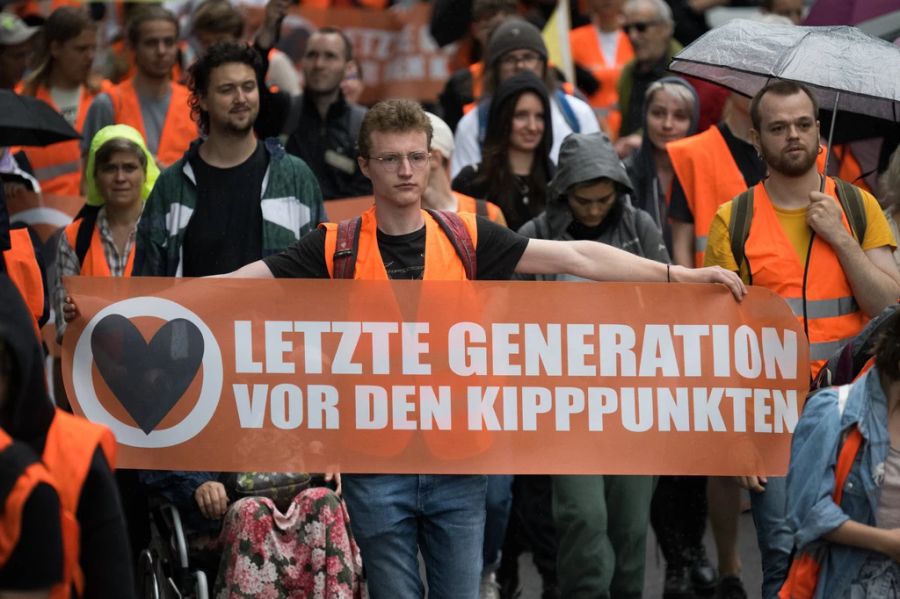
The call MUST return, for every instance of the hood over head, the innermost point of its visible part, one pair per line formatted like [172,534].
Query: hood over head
[27,411]
[585,157]
[113,132]
[512,89]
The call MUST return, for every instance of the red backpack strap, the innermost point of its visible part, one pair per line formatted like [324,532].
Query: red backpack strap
[459,236]
[346,247]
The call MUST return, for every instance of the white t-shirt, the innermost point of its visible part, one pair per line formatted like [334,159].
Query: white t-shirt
[609,44]
[468,149]
[67,102]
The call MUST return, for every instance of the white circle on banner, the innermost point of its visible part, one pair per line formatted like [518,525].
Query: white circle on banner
[210,389]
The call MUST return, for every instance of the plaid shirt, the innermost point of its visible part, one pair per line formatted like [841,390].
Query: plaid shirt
[67,264]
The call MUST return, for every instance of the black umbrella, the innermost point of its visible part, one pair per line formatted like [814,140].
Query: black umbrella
[27,121]
[849,72]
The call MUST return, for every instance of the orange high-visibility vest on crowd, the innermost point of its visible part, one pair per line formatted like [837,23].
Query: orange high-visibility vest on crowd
[68,452]
[466,203]
[30,473]
[374,4]
[94,263]
[849,168]
[25,273]
[476,70]
[442,263]
[179,129]
[58,166]
[709,177]
[833,315]
[586,52]
[43,9]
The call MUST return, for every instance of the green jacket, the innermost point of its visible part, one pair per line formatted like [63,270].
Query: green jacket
[291,207]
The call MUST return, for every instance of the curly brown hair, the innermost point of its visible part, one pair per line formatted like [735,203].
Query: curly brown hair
[397,116]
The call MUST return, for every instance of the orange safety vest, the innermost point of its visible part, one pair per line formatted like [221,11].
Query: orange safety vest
[849,168]
[476,70]
[709,176]
[442,263]
[68,451]
[833,315]
[466,203]
[58,166]
[94,263]
[41,9]
[22,268]
[16,496]
[179,129]
[586,52]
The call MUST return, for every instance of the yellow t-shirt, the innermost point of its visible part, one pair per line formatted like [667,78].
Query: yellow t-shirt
[718,248]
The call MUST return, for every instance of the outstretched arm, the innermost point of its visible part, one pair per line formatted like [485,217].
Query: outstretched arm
[601,262]
[254,270]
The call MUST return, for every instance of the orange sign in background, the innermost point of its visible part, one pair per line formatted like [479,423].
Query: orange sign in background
[437,377]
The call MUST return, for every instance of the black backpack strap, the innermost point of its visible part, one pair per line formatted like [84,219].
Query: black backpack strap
[88,216]
[455,229]
[481,208]
[854,207]
[739,225]
[346,248]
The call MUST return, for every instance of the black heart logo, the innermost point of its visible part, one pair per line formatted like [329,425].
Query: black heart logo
[148,379]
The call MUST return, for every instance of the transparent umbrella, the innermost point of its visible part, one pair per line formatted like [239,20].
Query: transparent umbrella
[845,69]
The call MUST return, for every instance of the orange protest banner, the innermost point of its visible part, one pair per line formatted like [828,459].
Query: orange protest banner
[437,377]
[396,54]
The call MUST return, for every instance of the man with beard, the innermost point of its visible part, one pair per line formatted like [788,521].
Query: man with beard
[801,245]
[231,199]
[149,101]
[322,124]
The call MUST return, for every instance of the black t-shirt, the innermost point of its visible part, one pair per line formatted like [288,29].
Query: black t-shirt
[748,162]
[225,231]
[496,254]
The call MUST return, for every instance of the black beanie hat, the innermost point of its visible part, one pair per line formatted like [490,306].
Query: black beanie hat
[514,33]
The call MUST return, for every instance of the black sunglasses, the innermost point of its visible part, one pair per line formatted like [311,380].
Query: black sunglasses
[640,26]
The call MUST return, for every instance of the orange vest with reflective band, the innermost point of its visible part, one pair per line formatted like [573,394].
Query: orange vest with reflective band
[94,263]
[442,263]
[58,166]
[68,451]
[22,268]
[586,52]
[14,501]
[833,315]
[709,176]
[179,129]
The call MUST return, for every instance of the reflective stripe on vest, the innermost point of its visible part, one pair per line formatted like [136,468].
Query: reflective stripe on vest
[442,263]
[94,263]
[68,452]
[833,316]
[709,177]
[22,268]
[586,53]
[58,166]
[179,129]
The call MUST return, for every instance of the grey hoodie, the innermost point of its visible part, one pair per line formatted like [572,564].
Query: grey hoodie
[585,157]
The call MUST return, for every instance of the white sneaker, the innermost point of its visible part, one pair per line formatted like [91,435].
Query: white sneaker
[489,588]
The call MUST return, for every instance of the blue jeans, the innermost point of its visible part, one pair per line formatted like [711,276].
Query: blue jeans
[394,515]
[772,534]
[499,501]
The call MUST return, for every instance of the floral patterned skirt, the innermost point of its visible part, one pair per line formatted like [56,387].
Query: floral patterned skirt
[307,552]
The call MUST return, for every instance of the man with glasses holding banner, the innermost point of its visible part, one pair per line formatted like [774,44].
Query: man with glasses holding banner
[394,516]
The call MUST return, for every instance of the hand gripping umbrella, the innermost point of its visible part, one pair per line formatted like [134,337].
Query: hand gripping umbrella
[845,69]
[27,121]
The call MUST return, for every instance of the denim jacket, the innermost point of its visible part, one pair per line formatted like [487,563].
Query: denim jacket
[812,512]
